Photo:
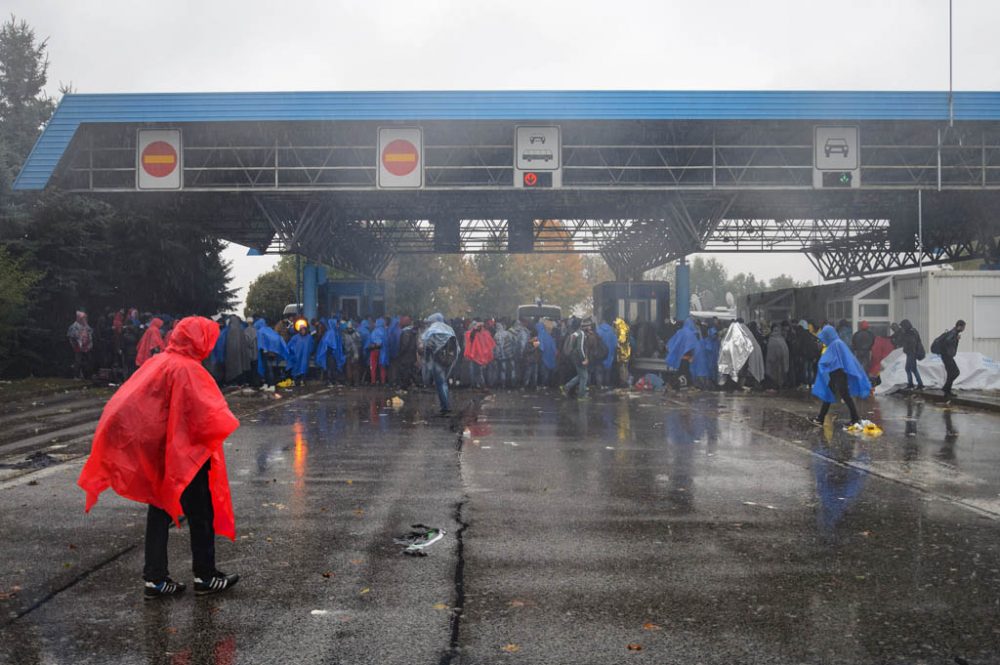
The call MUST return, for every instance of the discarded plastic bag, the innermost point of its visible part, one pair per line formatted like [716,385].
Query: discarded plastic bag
[419,539]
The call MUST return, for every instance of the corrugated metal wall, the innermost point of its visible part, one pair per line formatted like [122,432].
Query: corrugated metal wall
[951,298]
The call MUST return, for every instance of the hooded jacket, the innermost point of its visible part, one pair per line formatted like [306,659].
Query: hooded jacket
[161,427]
[151,342]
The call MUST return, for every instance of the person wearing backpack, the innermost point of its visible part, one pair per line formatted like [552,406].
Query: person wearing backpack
[440,353]
[946,345]
[913,349]
[576,351]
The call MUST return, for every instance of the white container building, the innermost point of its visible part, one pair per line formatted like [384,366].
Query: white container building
[934,300]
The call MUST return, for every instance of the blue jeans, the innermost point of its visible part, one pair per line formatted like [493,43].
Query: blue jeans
[911,371]
[506,374]
[531,375]
[440,376]
[476,378]
[579,381]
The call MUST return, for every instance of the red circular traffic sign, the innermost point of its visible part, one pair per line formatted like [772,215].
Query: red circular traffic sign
[159,159]
[400,157]
[530,179]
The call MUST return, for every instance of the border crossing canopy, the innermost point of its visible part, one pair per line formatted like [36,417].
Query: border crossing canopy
[352,178]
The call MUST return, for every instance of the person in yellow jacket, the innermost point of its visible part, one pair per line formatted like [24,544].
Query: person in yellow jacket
[624,351]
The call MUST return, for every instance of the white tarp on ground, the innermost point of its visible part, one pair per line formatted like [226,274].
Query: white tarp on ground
[979,372]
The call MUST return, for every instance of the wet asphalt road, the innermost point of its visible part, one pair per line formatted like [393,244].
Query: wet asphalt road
[702,528]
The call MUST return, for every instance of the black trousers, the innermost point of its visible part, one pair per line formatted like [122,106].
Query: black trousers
[838,385]
[197,504]
[951,367]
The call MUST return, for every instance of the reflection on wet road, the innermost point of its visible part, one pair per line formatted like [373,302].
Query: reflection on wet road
[701,528]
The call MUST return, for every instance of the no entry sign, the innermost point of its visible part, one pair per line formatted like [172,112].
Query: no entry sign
[400,157]
[159,159]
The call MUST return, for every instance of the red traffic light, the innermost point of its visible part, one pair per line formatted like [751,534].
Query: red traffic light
[535,179]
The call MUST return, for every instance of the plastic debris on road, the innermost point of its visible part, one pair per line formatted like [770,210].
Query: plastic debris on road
[866,427]
[419,539]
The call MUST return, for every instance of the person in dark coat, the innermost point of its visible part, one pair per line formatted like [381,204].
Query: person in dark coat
[909,339]
[862,344]
[777,359]
[948,352]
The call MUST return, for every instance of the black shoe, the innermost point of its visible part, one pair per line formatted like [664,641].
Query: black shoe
[214,584]
[816,421]
[920,387]
[909,386]
[444,413]
[165,588]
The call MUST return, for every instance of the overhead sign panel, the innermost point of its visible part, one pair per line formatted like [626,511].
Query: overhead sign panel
[836,157]
[158,159]
[537,157]
[400,157]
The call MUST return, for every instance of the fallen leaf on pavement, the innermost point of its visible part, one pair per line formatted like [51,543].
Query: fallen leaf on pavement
[171,630]
[357,562]
[440,606]
[649,625]
[517,603]
[365,590]
[328,574]
[510,648]
[634,647]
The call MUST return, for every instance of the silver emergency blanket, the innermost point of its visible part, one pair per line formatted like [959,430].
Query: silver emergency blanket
[739,347]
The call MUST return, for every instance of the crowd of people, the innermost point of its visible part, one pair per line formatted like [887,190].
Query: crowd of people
[573,354]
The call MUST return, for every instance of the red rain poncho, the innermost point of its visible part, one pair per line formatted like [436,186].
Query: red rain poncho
[162,426]
[151,340]
[480,349]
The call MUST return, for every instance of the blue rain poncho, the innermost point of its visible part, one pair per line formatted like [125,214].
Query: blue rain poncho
[219,351]
[268,341]
[547,345]
[610,339]
[331,344]
[706,356]
[392,338]
[300,347]
[364,330]
[379,337]
[838,356]
[683,342]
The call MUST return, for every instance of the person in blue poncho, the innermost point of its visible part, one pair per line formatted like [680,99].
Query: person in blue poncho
[548,347]
[270,347]
[300,349]
[377,352]
[706,359]
[838,374]
[682,347]
[330,352]
[610,340]
[218,355]
[392,334]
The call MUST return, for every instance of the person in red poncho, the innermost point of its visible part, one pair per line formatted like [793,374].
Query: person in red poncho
[151,342]
[478,351]
[159,442]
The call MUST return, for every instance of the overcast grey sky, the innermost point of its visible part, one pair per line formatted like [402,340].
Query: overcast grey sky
[225,45]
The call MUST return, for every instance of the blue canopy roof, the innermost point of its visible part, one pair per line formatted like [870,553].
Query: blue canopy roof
[74,110]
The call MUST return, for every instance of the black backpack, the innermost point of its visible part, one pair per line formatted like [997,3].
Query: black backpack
[937,346]
[447,354]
